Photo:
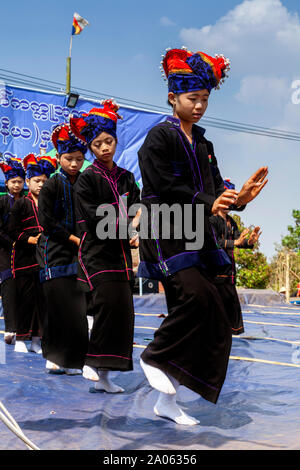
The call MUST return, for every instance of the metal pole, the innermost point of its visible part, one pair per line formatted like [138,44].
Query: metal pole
[287,278]
[68,78]
[68,84]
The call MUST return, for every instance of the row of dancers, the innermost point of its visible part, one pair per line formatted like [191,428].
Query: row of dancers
[56,271]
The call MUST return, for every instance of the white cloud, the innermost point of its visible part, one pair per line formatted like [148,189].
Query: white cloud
[165,21]
[264,91]
[257,36]
[261,39]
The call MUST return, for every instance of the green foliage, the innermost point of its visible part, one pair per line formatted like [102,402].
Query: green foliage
[253,270]
[290,244]
[292,240]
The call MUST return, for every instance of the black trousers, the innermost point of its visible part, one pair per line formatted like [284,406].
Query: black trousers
[65,329]
[9,304]
[228,292]
[111,339]
[193,342]
[29,315]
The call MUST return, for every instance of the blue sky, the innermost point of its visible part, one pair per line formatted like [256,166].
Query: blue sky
[120,51]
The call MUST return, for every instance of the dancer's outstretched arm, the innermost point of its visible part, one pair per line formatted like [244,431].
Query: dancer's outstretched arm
[253,186]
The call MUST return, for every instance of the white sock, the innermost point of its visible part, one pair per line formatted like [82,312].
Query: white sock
[158,379]
[166,407]
[36,345]
[50,366]
[20,346]
[90,373]
[9,338]
[106,384]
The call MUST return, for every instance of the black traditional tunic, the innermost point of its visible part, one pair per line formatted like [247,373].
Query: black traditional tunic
[174,171]
[105,265]
[65,332]
[193,342]
[227,232]
[8,285]
[24,223]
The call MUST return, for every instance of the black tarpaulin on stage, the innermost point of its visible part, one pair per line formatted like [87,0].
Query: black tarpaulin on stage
[258,407]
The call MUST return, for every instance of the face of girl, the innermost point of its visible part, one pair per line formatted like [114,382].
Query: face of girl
[191,106]
[35,184]
[72,162]
[15,185]
[104,148]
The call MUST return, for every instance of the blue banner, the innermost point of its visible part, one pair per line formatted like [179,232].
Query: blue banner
[27,118]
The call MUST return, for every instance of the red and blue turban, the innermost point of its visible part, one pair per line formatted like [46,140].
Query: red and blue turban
[98,120]
[228,184]
[39,165]
[186,71]
[12,168]
[65,141]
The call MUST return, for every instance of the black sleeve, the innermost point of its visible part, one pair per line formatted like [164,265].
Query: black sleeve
[234,229]
[218,226]
[46,211]
[236,233]
[233,207]
[86,203]
[218,180]
[5,240]
[15,227]
[135,197]
[154,159]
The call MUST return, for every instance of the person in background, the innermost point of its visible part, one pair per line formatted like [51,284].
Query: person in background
[229,239]
[25,229]
[14,175]
[282,293]
[65,333]
[105,263]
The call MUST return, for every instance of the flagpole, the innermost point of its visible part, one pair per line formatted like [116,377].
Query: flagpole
[68,81]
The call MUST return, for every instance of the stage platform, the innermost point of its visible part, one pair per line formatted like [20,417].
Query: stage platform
[258,408]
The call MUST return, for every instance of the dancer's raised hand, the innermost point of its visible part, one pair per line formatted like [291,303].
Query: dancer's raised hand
[254,236]
[242,238]
[224,201]
[253,186]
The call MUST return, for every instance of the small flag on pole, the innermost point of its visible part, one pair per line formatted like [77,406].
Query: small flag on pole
[78,24]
